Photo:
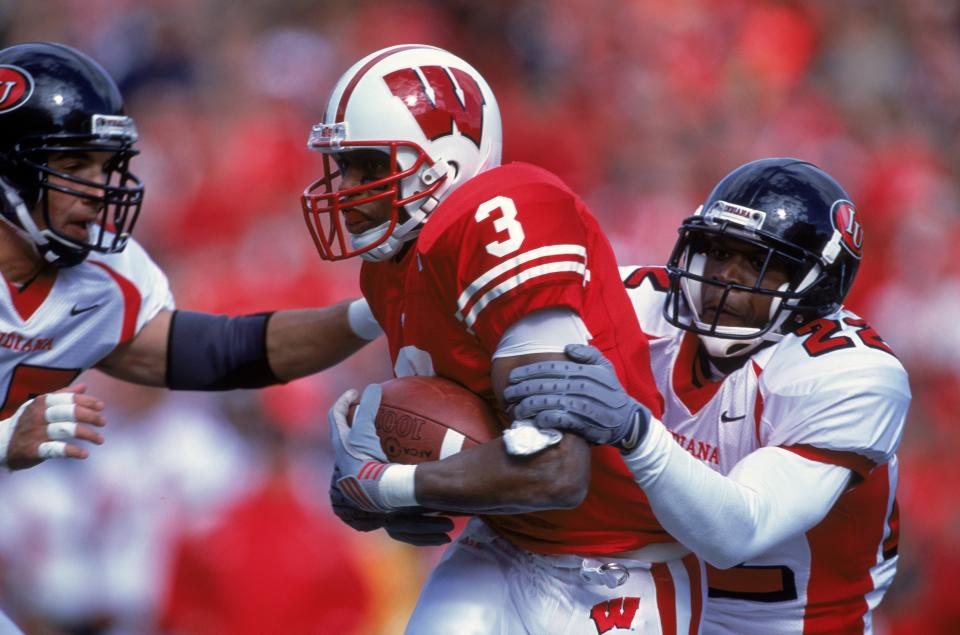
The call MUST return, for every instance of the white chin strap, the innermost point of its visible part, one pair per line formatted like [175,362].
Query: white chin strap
[385,250]
[718,346]
[409,229]
[39,238]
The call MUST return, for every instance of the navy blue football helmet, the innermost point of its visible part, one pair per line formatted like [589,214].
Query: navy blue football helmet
[798,216]
[55,99]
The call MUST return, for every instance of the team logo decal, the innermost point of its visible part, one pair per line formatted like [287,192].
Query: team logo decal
[845,221]
[454,96]
[615,613]
[16,86]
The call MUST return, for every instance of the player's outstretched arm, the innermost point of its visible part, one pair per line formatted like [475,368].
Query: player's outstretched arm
[305,341]
[45,426]
[187,350]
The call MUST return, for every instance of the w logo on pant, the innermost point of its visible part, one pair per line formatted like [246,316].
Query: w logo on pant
[615,613]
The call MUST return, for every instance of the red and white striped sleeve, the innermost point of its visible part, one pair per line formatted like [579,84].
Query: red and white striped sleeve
[517,253]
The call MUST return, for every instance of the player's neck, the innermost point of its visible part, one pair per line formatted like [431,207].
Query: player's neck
[19,261]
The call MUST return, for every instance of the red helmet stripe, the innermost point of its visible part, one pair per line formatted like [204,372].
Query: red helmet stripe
[348,91]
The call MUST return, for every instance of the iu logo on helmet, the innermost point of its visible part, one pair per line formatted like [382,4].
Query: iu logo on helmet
[16,86]
[440,102]
[846,221]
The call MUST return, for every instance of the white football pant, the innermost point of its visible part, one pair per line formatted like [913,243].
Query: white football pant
[486,585]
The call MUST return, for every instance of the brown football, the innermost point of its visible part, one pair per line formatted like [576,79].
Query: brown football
[429,418]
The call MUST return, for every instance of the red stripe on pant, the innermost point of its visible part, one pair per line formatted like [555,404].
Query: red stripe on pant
[697,591]
[667,595]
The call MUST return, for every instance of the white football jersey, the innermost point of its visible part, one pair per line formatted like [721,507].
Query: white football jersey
[833,392]
[61,324]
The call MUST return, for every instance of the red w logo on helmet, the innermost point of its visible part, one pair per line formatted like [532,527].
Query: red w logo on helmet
[616,613]
[440,102]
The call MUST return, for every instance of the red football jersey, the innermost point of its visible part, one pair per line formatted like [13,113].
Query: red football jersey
[508,242]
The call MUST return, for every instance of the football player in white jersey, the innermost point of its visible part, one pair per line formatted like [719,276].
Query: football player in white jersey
[775,457]
[79,292]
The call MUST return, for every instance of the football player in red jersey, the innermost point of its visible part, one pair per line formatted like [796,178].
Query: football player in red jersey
[775,459]
[79,292]
[473,268]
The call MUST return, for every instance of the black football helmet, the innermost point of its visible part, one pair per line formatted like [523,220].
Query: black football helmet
[800,217]
[55,99]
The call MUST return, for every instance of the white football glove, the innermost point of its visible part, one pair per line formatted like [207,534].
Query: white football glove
[360,459]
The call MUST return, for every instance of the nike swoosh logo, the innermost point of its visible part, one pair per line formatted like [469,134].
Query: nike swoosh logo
[77,310]
[724,418]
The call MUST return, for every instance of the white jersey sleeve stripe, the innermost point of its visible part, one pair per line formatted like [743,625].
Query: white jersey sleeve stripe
[540,252]
[515,281]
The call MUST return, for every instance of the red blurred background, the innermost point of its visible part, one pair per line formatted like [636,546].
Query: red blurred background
[202,516]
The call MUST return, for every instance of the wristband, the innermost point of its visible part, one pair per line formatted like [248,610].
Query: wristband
[397,486]
[362,322]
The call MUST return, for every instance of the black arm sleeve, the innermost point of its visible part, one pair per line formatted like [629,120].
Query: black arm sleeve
[218,352]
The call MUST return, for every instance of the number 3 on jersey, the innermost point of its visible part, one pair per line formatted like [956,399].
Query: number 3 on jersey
[505,222]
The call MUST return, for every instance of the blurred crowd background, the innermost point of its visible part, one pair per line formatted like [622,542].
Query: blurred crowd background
[207,514]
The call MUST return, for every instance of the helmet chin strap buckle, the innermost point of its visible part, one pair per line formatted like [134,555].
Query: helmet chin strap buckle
[435,172]
[441,168]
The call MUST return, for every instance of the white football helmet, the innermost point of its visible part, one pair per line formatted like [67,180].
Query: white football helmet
[434,116]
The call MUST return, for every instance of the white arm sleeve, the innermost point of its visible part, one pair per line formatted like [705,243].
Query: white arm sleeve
[770,495]
[543,331]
